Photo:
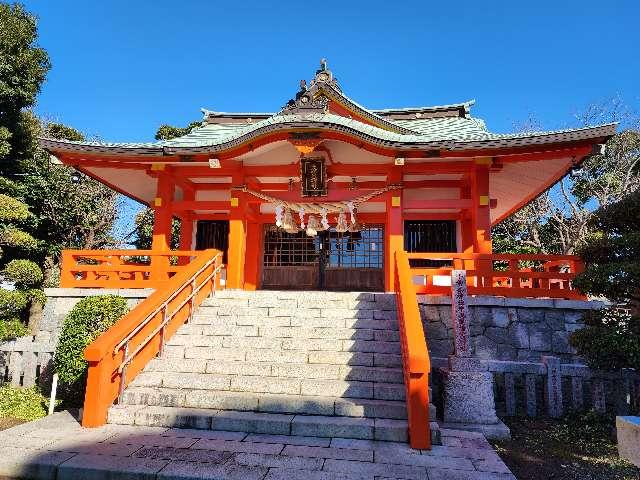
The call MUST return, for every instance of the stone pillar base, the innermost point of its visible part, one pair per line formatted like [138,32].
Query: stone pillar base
[468,398]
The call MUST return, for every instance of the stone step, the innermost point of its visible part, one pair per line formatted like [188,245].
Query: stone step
[270,301]
[286,344]
[272,369]
[302,297]
[284,356]
[246,401]
[207,317]
[279,385]
[332,332]
[321,311]
[260,422]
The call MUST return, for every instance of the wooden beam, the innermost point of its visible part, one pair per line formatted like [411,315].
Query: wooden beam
[457,203]
[183,205]
[431,216]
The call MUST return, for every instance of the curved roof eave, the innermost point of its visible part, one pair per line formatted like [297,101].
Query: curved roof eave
[366,133]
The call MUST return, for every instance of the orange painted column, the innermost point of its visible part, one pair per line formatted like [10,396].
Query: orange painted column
[237,241]
[186,228]
[482,219]
[161,241]
[252,257]
[482,213]
[394,230]
[186,237]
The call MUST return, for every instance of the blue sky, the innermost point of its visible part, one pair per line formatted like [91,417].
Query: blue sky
[122,68]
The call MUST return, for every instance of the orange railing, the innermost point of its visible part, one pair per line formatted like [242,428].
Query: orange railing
[121,268]
[415,356]
[506,275]
[119,354]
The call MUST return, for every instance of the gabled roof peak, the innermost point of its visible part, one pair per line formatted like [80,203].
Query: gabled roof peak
[324,94]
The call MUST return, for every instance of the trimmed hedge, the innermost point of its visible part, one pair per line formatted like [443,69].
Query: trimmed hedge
[14,237]
[24,403]
[12,210]
[90,317]
[12,328]
[24,273]
[12,303]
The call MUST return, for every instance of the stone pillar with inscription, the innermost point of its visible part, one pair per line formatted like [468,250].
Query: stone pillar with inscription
[468,386]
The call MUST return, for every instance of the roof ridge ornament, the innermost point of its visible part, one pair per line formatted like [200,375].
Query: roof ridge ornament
[311,98]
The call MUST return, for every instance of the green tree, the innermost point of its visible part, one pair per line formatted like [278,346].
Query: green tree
[23,68]
[167,132]
[611,338]
[43,207]
[143,233]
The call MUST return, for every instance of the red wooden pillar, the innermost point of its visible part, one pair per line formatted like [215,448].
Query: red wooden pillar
[394,230]
[237,238]
[161,241]
[481,213]
[482,219]
[186,228]
[252,257]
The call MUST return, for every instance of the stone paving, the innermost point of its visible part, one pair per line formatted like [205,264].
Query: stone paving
[57,447]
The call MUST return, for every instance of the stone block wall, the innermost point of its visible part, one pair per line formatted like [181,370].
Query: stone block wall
[60,301]
[508,329]
[25,359]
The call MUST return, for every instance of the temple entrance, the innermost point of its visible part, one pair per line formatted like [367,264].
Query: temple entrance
[213,234]
[349,261]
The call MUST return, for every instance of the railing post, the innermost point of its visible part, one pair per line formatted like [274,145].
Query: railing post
[123,373]
[415,356]
[97,400]
[530,380]
[553,386]
[577,393]
[510,394]
[598,395]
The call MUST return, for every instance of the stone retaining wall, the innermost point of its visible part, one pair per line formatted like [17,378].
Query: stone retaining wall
[25,359]
[511,329]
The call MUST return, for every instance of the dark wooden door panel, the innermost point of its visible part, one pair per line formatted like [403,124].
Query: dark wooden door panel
[347,261]
[213,234]
[290,278]
[354,279]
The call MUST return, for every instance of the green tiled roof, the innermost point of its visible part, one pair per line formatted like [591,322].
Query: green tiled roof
[453,133]
[449,127]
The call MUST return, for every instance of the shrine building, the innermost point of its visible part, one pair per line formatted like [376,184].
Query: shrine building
[348,185]
[327,195]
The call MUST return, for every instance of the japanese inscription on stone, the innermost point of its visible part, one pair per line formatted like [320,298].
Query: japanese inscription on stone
[460,313]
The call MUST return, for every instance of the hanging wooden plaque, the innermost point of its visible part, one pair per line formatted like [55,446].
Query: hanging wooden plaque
[314,177]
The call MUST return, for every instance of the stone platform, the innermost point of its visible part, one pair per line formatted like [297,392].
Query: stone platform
[57,447]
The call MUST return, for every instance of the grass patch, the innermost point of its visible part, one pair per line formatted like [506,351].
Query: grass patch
[576,447]
[22,403]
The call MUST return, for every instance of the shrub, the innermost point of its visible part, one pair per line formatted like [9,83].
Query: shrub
[85,322]
[610,340]
[35,295]
[12,210]
[12,302]
[24,403]
[24,273]
[16,238]
[12,328]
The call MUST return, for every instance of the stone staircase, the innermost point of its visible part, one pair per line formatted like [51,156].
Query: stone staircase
[318,364]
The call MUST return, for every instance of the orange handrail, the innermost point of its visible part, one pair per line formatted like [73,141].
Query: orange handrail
[550,276]
[120,353]
[120,268]
[415,356]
